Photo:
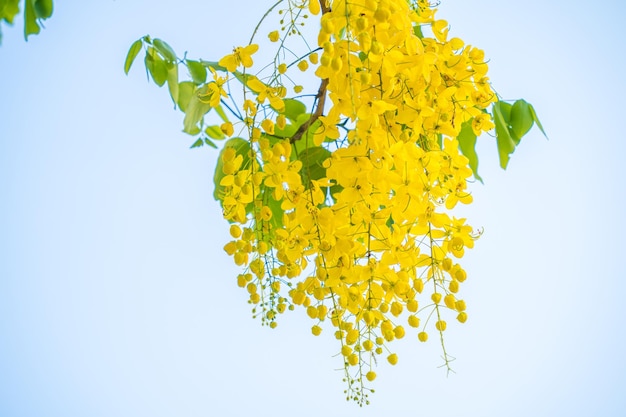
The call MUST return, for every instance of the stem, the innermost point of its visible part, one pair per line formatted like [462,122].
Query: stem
[325,7]
[320,98]
[262,19]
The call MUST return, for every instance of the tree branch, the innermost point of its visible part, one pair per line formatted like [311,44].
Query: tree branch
[320,99]
[325,5]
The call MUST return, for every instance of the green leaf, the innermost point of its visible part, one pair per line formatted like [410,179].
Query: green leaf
[213,64]
[194,131]
[293,109]
[302,118]
[210,143]
[31,27]
[214,132]
[241,147]
[197,144]
[172,82]
[197,71]
[506,145]
[521,119]
[389,223]
[467,144]
[277,212]
[241,77]
[195,111]
[156,66]
[34,12]
[8,10]
[132,54]
[417,30]
[536,119]
[312,160]
[505,110]
[288,131]
[43,8]
[185,93]
[306,140]
[165,50]
[221,113]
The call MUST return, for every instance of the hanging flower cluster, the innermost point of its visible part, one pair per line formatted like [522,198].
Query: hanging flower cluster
[355,227]
[345,207]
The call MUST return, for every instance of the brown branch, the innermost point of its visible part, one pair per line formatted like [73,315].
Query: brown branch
[325,7]
[320,98]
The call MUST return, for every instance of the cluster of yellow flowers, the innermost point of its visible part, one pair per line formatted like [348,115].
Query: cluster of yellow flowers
[346,210]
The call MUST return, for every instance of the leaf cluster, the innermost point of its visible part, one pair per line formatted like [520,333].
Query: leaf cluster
[35,12]
[162,66]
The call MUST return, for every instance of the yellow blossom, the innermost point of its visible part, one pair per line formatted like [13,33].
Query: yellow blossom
[274,36]
[227,128]
[350,202]
[240,56]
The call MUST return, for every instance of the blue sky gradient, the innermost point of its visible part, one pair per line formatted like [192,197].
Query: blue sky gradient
[116,298]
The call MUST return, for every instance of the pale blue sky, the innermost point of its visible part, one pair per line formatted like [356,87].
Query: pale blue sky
[116,298]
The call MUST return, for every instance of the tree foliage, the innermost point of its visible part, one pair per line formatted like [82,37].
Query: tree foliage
[342,160]
[35,12]
[341,195]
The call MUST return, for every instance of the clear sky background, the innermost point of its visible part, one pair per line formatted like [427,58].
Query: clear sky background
[116,298]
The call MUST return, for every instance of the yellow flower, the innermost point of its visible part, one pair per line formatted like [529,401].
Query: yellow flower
[368,345]
[214,90]
[346,350]
[281,121]
[399,332]
[249,107]
[436,297]
[353,359]
[266,213]
[303,65]
[268,126]
[482,123]
[266,92]
[240,56]
[440,30]
[314,7]
[365,197]
[235,231]
[227,128]
[449,301]
[274,36]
